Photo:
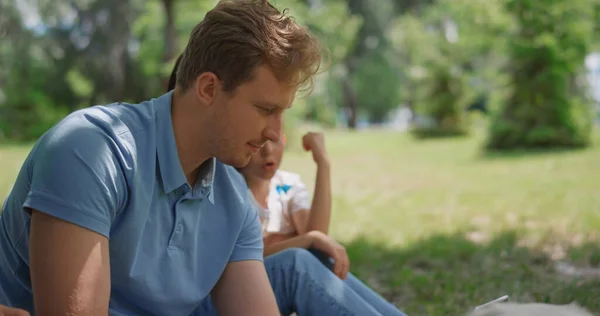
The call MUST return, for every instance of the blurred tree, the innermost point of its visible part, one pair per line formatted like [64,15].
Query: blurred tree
[334,25]
[372,82]
[448,53]
[65,55]
[95,38]
[368,50]
[377,86]
[596,31]
[170,33]
[71,54]
[547,104]
[162,32]
[26,73]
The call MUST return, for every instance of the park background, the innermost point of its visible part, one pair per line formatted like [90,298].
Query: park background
[463,134]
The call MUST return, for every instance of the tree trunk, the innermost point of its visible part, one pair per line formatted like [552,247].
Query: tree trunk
[351,103]
[170,35]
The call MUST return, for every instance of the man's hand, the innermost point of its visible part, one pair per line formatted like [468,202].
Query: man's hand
[332,248]
[315,142]
[70,268]
[9,311]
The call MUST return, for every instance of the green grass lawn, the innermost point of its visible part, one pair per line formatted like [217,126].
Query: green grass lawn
[438,228]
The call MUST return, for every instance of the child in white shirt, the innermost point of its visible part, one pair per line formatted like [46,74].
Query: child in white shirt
[292,220]
[289,217]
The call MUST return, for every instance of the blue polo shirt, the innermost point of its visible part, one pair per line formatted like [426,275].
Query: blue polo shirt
[115,170]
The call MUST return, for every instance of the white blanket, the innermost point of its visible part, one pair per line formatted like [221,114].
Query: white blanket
[531,309]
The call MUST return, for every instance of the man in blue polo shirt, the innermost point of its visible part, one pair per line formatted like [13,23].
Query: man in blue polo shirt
[134,209]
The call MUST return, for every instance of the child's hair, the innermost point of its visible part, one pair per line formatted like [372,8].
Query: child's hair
[173,78]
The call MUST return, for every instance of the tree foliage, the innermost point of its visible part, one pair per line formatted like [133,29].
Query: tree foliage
[547,105]
[436,56]
[449,50]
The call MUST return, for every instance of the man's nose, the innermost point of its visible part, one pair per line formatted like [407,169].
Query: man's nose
[273,130]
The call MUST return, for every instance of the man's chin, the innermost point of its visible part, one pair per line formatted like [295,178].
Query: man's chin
[237,162]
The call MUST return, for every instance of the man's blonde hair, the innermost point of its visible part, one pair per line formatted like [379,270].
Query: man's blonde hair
[238,35]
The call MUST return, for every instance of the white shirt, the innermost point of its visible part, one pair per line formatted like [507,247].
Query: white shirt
[287,194]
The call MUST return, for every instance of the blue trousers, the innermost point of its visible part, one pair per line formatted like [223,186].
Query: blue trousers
[304,283]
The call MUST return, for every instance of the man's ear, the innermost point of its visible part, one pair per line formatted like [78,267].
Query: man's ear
[207,87]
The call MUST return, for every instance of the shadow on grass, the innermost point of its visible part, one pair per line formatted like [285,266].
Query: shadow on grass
[450,275]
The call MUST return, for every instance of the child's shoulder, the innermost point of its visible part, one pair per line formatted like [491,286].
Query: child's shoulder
[287,183]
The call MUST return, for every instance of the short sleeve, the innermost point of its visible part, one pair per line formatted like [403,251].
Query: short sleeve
[249,245]
[300,198]
[76,176]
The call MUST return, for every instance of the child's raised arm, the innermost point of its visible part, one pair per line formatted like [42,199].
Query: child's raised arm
[320,212]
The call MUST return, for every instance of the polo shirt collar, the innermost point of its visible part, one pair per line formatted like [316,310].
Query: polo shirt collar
[171,172]
[206,178]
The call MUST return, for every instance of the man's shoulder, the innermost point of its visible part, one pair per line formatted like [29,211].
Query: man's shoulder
[113,118]
[114,123]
